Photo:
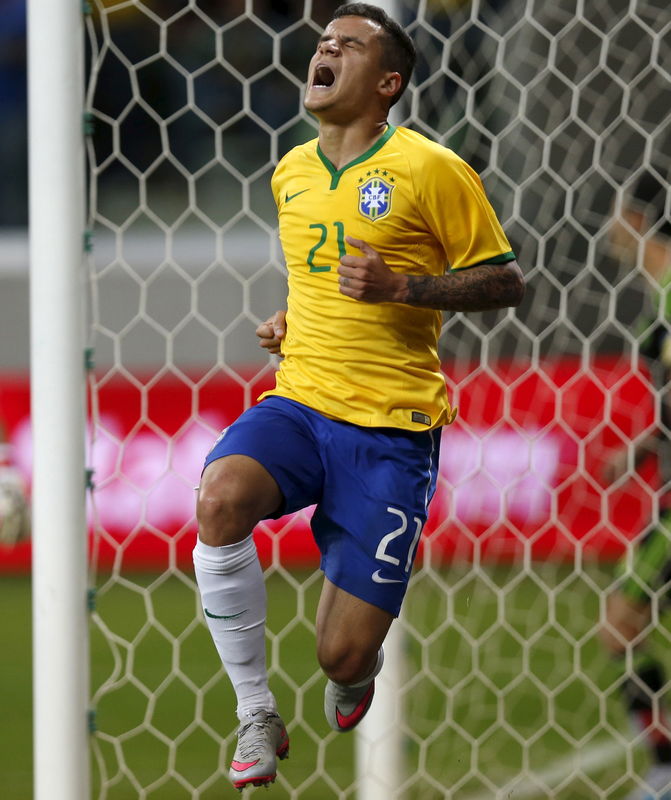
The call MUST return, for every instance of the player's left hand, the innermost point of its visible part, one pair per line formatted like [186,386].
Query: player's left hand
[272,331]
[368,278]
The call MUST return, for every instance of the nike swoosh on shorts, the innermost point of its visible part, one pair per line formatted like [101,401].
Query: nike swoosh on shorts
[379,579]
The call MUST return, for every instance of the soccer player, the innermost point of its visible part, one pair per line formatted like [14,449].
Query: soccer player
[629,607]
[370,217]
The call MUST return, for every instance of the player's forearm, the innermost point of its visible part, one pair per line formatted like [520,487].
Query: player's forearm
[487,286]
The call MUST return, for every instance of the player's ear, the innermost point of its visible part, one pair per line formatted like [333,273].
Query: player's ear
[390,84]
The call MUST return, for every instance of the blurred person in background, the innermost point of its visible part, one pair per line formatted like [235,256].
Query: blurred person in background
[646,584]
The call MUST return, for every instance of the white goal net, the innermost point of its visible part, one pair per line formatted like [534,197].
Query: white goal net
[503,688]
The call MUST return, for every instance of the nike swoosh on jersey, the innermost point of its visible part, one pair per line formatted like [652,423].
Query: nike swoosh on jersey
[288,197]
[379,579]
[231,616]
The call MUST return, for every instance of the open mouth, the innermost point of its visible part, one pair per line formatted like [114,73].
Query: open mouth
[324,77]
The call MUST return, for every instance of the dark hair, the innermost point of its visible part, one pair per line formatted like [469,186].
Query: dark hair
[398,51]
[650,194]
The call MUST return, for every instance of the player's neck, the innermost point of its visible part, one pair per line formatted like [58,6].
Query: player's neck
[342,144]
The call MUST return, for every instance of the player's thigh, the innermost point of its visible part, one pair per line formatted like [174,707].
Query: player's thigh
[350,631]
[370,519]
[235,492]
[265,464]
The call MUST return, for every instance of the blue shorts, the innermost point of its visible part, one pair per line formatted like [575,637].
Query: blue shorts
[372,488]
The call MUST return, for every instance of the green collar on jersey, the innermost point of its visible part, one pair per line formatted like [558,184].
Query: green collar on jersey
[336,174]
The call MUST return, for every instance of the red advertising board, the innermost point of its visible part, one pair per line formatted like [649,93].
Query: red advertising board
[520,468]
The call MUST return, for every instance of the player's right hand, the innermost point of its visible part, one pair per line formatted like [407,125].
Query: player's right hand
[272,331]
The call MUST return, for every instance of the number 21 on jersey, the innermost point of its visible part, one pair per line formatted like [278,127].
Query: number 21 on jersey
[323,233]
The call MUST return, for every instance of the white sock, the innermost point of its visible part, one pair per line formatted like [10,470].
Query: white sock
[232,589]
[376,671]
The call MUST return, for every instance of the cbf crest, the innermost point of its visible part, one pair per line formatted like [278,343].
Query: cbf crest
[375,197]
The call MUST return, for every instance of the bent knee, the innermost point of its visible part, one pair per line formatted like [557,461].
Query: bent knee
[345,663]
[213,508]
[231,501]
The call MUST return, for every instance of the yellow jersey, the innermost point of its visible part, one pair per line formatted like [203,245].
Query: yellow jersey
[424,210]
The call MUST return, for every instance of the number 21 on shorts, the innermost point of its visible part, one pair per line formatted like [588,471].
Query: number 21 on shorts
[381,553]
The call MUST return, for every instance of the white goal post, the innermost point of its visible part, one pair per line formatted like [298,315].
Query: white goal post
[57,279]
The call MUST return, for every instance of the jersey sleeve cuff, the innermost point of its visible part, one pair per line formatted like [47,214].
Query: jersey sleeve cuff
[503,258]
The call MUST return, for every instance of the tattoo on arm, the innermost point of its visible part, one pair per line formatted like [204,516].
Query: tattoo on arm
[487,286]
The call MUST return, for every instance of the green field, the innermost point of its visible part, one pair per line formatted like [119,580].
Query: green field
[505,679]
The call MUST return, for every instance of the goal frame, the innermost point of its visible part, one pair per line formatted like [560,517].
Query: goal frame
[59,553]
